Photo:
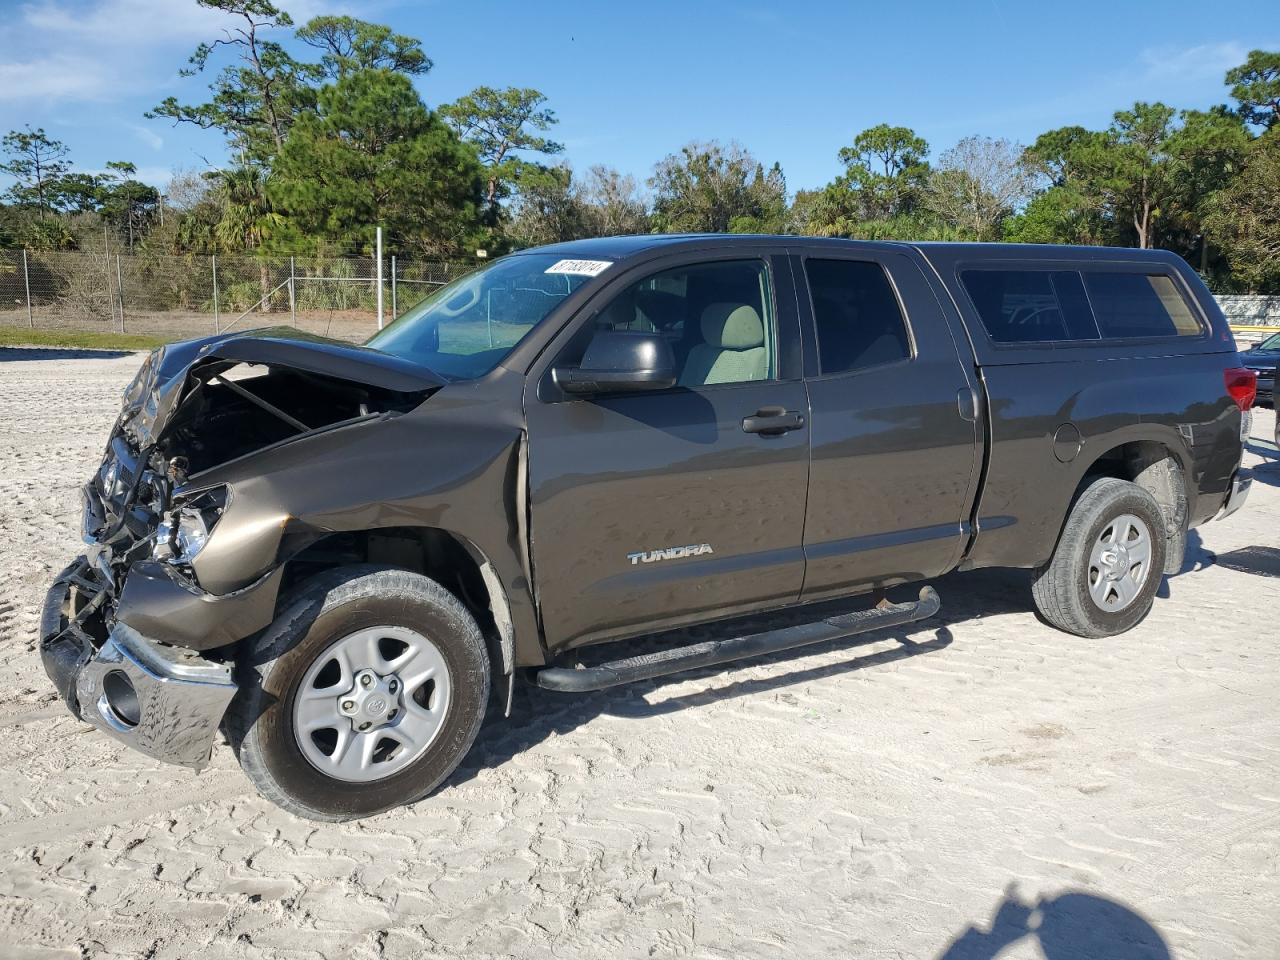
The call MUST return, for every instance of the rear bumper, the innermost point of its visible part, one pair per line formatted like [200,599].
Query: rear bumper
[178,697]
[1241,483]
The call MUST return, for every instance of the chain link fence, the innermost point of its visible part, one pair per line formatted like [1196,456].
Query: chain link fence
[178,297]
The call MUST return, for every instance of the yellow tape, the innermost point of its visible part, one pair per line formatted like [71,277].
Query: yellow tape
[1246,328]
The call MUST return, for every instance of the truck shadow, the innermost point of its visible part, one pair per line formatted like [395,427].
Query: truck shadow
[1267,473]
[1263,449]
[1197,557]
[539,714]
[1070,926]
[1261,561]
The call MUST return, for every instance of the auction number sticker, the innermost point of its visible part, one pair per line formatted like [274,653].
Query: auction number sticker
[580,268]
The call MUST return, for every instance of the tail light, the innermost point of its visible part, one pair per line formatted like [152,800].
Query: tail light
[1242,385]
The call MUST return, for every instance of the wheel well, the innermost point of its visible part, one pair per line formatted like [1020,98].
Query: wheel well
[451,561]
[1156,468]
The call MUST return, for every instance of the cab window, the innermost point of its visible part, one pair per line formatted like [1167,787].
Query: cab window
[858,320]
[718,318]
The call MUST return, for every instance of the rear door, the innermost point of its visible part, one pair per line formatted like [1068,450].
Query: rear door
[894,428]
[657,509]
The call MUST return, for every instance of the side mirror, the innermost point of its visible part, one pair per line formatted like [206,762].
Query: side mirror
[621,361]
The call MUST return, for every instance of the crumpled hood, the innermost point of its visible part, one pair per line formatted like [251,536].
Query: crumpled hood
[152,396]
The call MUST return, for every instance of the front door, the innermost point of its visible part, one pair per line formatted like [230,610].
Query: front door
[656,509]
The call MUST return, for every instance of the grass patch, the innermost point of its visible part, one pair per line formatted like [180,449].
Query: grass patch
[85,340]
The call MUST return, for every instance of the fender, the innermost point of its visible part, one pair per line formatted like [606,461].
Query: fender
[452,464]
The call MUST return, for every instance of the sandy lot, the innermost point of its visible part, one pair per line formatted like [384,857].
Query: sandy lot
[977,785]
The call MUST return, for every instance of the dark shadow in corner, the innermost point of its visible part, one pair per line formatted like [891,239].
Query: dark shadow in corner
[1070,926]
[60,353]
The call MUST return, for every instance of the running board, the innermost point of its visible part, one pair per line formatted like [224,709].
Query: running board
[678,659]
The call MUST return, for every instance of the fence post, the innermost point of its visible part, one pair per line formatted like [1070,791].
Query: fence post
[120,292]
[378,245]
[393,286]
[213,259]
[106,259]
[26,282]
[293,299]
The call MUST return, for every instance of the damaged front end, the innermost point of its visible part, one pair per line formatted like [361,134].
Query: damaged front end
[135,643]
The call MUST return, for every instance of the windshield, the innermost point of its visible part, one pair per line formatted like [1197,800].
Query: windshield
[1271,343]
[466,328]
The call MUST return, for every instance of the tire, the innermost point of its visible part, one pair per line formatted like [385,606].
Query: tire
[357,609]
[1064,589]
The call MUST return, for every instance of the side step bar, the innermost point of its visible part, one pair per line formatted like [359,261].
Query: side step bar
[650,665]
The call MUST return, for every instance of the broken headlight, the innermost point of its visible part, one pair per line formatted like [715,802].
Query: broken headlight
[185,530]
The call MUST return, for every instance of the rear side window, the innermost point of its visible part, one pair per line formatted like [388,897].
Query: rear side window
[1139,305]
[857,316]
[1030,306]
[1044,306]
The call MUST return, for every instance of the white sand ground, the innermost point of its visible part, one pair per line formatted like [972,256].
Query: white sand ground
[934,792]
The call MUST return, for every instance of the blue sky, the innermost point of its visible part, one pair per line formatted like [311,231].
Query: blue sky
[634,81]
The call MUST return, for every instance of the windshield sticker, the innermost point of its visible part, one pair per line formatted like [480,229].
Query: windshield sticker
[581,268]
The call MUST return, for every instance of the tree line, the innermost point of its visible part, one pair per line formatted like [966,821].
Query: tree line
[327,144]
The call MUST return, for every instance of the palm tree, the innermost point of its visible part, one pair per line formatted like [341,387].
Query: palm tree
[248,221]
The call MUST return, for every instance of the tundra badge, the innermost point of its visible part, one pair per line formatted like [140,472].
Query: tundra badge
[670,553]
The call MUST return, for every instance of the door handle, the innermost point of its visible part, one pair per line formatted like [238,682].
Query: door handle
[772,421]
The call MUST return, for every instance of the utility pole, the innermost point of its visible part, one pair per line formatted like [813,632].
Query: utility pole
[378,254]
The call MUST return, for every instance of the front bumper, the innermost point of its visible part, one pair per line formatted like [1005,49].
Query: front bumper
[178,697]
[1241,483]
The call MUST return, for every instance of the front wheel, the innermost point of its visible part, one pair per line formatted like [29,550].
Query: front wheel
[364,694]
[1106,569]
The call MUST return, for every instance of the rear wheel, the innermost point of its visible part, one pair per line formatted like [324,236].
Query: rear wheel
[364,694]
[1106,569]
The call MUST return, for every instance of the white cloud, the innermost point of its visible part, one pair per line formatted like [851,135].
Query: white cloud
[56,77]
[123,24]
[149,137]
[151,23]
[1204,61]
[96,52]
[108,49]
[1189,76]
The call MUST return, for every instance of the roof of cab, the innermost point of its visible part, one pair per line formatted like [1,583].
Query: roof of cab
[619,248]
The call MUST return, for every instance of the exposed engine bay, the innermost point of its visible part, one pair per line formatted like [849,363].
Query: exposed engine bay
[234,409]
[197,406]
